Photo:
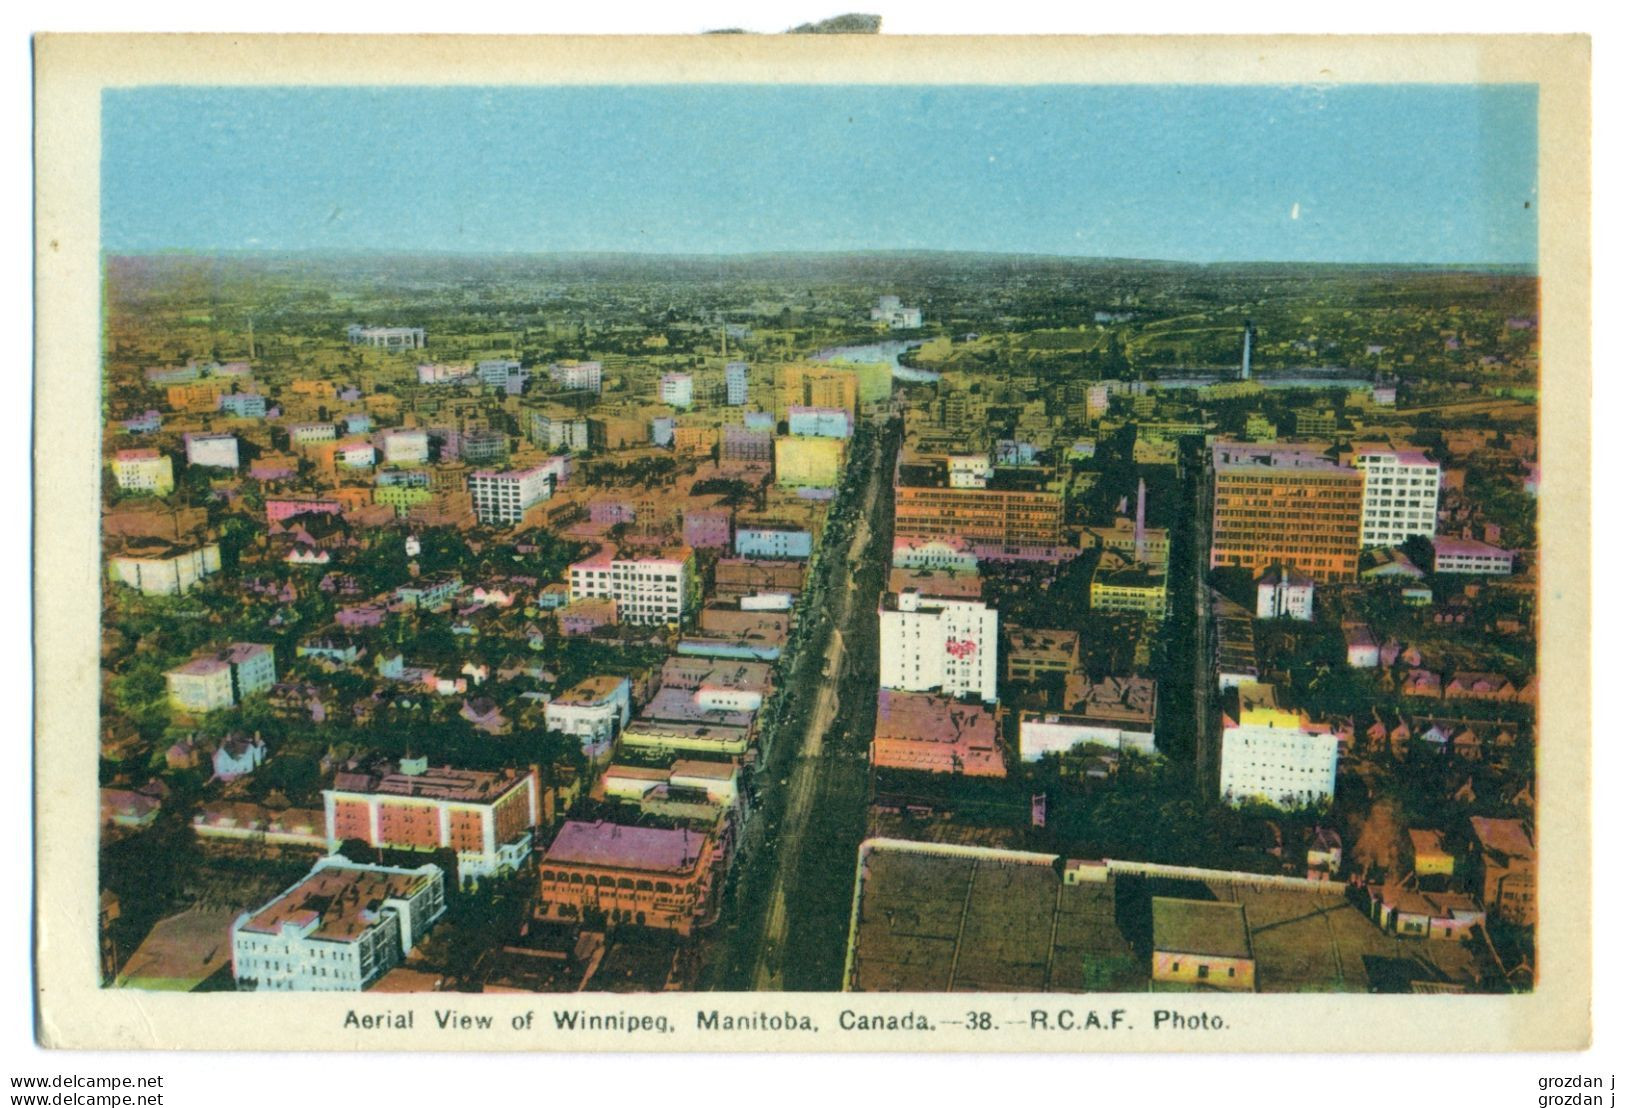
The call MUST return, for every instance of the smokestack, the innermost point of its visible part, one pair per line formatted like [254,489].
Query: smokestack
[1139,526]
[1247,351]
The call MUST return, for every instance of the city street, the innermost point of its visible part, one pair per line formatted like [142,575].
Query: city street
[804,777]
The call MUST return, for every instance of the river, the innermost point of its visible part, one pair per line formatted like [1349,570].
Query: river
[886,351]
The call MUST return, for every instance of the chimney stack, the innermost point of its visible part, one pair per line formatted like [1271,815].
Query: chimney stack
[1139,526]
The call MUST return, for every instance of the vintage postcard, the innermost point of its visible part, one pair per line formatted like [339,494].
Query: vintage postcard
[813,543]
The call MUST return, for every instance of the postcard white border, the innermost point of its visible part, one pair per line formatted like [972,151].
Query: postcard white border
[73,70]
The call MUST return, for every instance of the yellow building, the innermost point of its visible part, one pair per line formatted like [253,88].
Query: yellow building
[197,396]
[817,386]
[688,439]
[1429,858]
[1155,452]
[807,461]
[1129,589]
[144,470]
[1258,428]
[402,497]
[1260,709]
[1202,943]
[874,380]
[659,737]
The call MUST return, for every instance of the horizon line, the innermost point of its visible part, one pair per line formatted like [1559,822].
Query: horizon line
[1531,268]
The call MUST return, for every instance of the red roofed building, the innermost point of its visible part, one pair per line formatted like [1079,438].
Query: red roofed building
[1504,856]
[648,876]
[936,734]
[1480,686]
[485,817]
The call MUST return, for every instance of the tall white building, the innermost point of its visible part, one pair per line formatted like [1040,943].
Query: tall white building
[1284,593]
[222,678]
[388,338]
[561,430]
[503,496]
[1275,755]
[406,445]
[578,375]
[677,389]
[651,588]
[158,568]
[890,311]
[339,929]
[218,450]
[305,434]
[593,711]
[737,375]
[502,373]
[1401,494]
[928,643]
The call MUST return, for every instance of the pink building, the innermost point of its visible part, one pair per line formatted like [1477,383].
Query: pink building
[708,528]
[611,510]
[360,615]
[745,444]
[281,508]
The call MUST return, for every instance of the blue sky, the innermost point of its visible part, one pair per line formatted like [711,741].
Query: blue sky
[1419,173]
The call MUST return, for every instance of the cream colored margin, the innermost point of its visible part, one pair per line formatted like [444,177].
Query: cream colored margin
[71,72]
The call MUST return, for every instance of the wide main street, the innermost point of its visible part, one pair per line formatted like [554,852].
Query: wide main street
[798,770]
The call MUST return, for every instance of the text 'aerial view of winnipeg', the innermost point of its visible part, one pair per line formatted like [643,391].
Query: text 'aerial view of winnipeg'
[819,538]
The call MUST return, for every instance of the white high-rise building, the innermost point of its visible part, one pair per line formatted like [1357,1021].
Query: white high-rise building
[1275,755]
[578,375]
[646,589]
[944,643]
[503,496]
[406,445]
[1401,494]
[218,450]
[737,375]
[677,389]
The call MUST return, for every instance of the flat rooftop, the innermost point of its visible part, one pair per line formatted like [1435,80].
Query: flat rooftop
[1213,927]
[678,706]
[591,690]
[1121,699]
[926,717]
[694,673]
[216,660]
[961,584]
[434,783]
[342,901]
[970,919]
[1038,642]
[619,846]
